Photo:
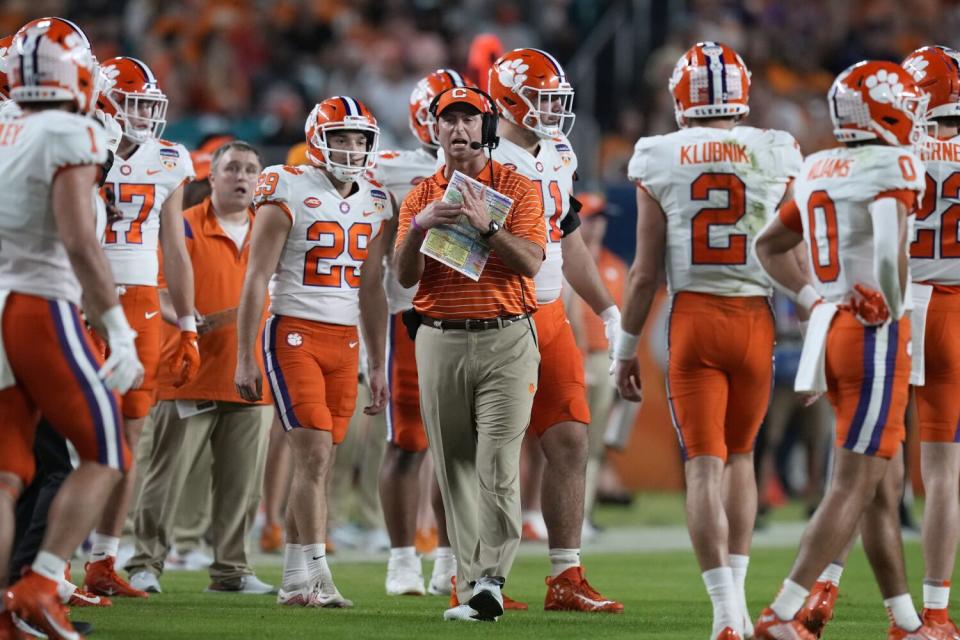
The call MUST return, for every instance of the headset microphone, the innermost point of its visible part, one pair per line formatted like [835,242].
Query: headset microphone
[475,145]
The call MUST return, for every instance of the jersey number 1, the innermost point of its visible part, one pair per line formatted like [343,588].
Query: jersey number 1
[703,252]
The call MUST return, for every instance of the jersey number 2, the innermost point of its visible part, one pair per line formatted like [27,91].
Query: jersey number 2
[338,240]
[736,250]
[925,245]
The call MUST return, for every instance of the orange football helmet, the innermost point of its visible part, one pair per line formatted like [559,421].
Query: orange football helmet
[5,49]
[936,71]
[710,80]
[341,113]
[874,100]
[531,90]
[51,61]
[130,94]
[421,120]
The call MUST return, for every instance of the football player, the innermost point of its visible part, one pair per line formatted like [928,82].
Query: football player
[146,185]
[49,257]
[850,207]
[535,101]
[703,193]
[400,490]
[319,238]
[936,356]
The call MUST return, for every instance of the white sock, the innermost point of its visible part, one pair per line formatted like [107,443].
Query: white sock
[789,600]
[65,590]
[49,566]
[403,552]
[739,564]
[903,612]
[832,574]
[443,553]
[563,559]
[936,594]
[104,546]
[294,568]
[722,592]
[315,557]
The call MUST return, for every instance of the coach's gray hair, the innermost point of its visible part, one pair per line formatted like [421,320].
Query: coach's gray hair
[239,145]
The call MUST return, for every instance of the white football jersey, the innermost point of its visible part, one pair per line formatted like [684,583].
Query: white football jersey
[140,185]
[552,171]
[833,192]
[935,250]
[399,172]
[318,275]
[33,148]
[717,189]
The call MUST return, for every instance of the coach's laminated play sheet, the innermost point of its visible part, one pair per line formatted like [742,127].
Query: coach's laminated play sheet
[459,245]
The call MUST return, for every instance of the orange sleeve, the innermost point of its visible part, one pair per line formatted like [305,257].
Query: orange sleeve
[411,206]
[526,215]
[907,196]
[790,216]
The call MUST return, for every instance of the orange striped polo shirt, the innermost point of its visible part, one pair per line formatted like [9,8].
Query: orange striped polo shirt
[448,295]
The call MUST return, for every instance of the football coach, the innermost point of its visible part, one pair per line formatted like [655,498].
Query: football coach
[477,356]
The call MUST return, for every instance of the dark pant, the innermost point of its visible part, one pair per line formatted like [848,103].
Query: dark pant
[53,467]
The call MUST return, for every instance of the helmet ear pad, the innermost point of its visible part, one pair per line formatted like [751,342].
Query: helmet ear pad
[489,120]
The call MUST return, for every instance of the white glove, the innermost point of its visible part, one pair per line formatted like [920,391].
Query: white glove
[122,371]
[611,325]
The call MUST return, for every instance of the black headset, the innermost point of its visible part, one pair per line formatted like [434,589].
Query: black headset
[488,119]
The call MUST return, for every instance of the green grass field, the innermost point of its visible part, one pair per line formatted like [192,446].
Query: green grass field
[662,592]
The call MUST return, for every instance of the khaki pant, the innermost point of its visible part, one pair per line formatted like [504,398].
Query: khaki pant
[600,396]
[476,392]
[192,521]
[237,436]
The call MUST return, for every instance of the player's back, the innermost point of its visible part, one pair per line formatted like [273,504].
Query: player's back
[717,189]
[318,274]
[833,195]
[33,148]
[935,247]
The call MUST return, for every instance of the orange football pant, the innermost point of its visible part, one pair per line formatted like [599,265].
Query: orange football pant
[562,391]
[868,376]
[312,368]
[720,371]
[55,365]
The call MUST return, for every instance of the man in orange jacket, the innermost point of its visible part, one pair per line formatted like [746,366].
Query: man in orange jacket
[209,408]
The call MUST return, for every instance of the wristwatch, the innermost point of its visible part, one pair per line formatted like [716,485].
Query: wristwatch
[494,227]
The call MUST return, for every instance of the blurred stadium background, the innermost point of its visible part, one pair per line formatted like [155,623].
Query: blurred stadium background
[254,68]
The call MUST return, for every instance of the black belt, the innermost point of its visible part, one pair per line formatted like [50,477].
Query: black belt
[471,324]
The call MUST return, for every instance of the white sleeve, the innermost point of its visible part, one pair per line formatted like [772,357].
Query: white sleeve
[642,166]
[886,250]
[787,154]
[76,141]
[273,187]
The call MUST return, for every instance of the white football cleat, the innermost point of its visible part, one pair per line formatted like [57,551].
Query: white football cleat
[440,580]
[145,581]
[404,577]
[326,595]
[297,598]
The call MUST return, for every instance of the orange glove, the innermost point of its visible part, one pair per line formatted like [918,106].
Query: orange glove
[870,308]
[186,362]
